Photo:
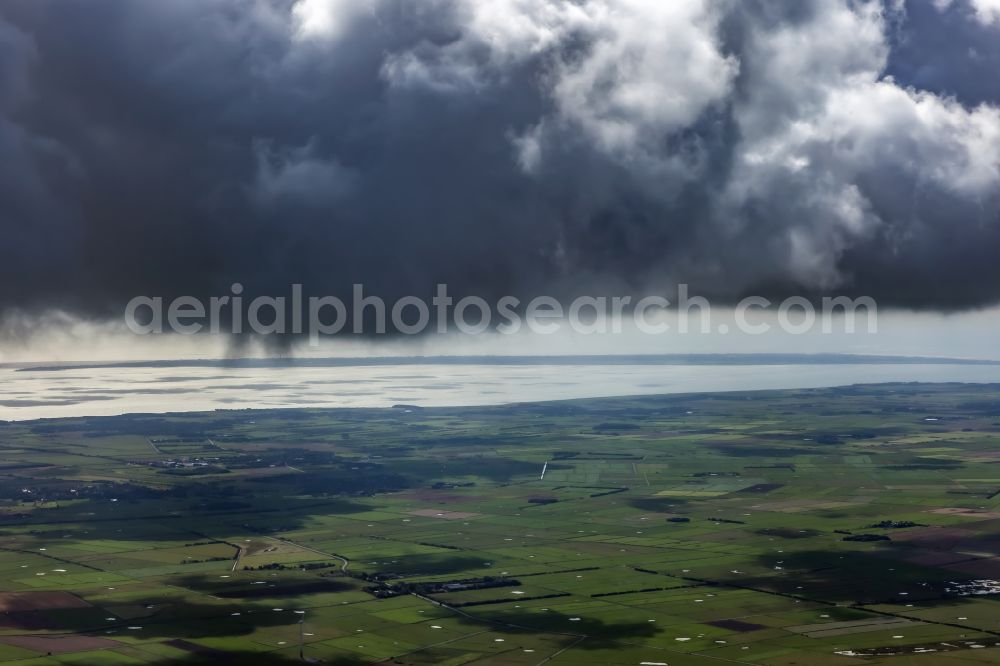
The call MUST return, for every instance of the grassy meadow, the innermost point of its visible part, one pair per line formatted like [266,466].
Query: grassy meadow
[813,527]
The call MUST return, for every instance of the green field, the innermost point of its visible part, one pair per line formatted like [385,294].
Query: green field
[834,526]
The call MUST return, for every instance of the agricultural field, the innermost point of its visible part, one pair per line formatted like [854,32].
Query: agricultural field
[832,526]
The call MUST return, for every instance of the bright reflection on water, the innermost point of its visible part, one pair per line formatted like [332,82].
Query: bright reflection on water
[118,390]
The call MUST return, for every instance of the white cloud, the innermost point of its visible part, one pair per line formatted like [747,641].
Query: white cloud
[986,11]
[643,69]
[653,69]
[815,113]
[328,19]
[492,37]
[820,117]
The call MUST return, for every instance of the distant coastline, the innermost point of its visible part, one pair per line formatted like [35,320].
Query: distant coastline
[578,360]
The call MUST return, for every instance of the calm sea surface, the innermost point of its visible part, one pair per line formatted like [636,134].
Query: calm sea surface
[119,390]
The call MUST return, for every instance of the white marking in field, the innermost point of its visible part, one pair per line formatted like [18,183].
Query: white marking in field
[544,467]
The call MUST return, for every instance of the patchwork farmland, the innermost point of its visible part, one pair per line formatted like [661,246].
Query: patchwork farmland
[831,526]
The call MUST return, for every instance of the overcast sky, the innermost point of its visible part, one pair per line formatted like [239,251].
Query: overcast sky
[519,147]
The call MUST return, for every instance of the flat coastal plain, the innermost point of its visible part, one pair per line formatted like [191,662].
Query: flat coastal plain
[822,526]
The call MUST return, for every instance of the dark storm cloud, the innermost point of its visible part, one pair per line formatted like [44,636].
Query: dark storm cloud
[515,146]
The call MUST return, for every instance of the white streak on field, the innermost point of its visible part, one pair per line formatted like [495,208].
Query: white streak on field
[544,467]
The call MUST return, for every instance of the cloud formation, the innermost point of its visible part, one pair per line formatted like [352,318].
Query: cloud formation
[505,147]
